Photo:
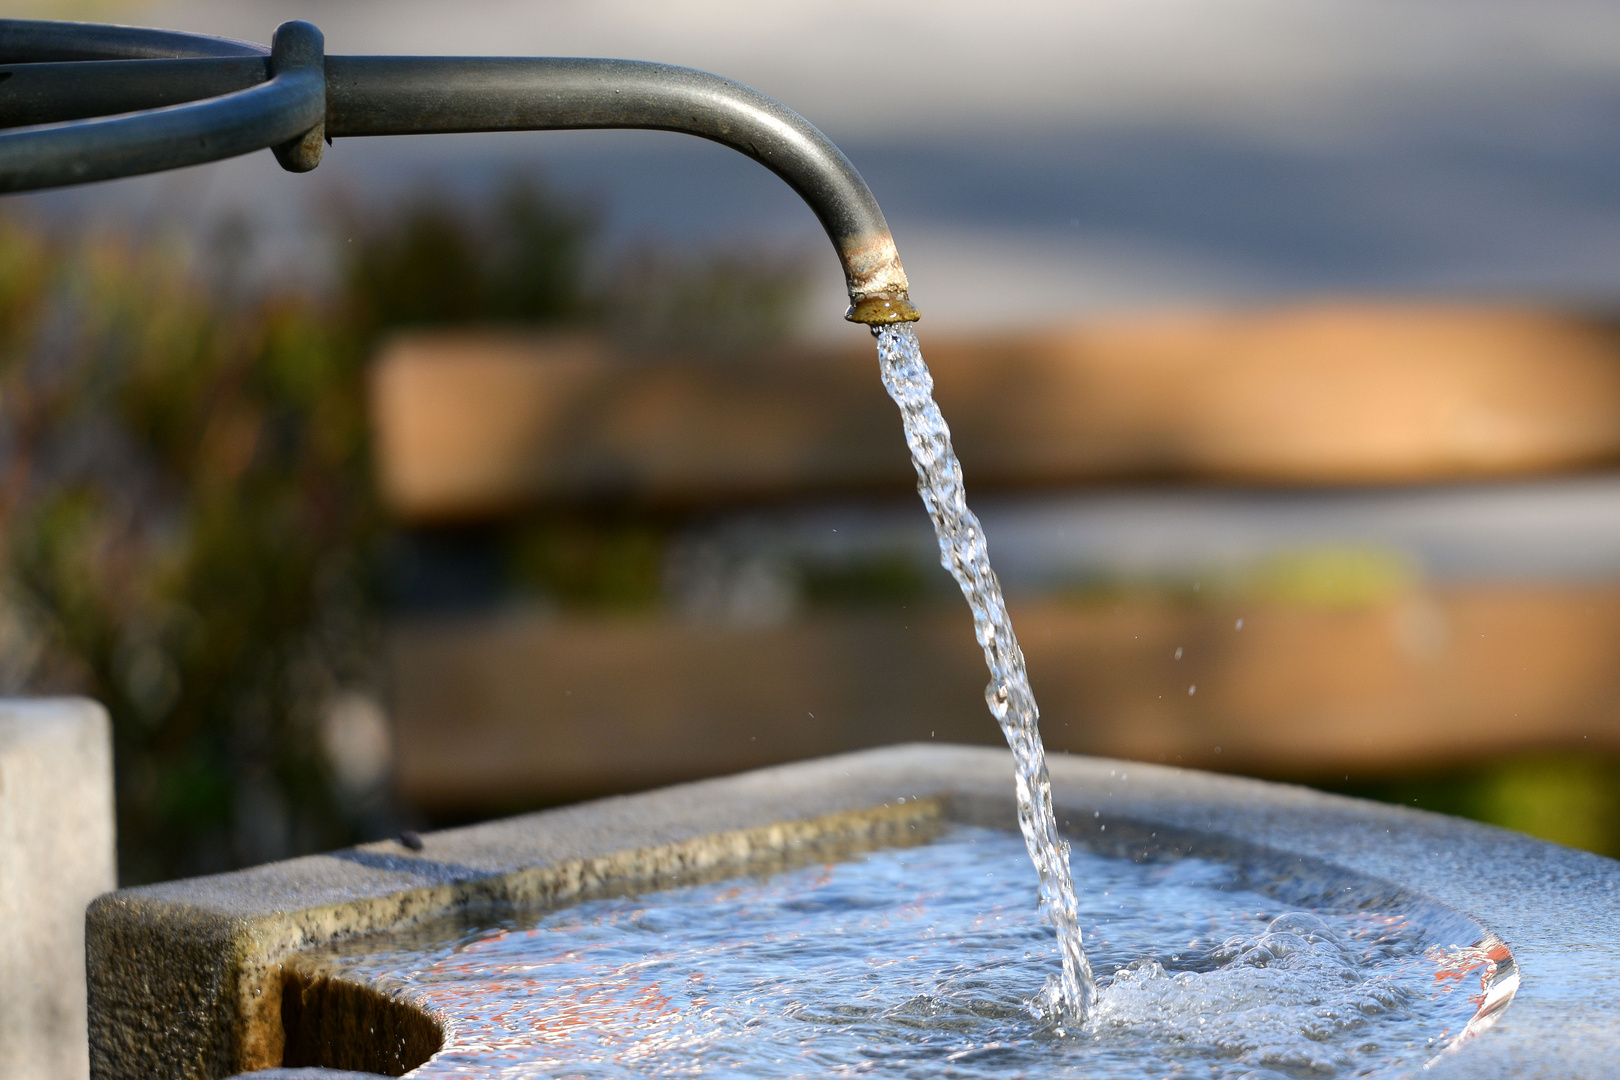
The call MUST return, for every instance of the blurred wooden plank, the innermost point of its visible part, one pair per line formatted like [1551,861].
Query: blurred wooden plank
[473,424]
[469,424]
[499,712]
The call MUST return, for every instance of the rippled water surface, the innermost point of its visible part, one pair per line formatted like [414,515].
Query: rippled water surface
[919,962]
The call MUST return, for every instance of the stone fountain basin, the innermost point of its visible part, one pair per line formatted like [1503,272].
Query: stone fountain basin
[201,978]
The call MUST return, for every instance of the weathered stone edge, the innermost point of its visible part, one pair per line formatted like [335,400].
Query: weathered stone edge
[187,990]
[243,923]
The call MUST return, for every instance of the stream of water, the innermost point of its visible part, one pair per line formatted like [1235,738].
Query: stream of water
[1067,996]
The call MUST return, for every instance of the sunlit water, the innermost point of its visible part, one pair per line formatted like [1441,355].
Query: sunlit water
[963,552]
[918,962]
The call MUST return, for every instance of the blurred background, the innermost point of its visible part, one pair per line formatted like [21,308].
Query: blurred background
[473,474]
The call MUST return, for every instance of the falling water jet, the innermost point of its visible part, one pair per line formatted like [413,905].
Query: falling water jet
[963,552]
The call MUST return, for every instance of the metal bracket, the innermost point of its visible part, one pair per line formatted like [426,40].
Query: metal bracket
[300,47]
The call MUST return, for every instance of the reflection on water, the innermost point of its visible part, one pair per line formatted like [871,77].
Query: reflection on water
[919,962]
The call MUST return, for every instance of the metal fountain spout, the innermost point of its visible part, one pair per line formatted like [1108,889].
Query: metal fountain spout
[81,102]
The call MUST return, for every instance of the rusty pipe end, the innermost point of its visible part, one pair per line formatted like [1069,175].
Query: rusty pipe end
[879,293]
[883,310]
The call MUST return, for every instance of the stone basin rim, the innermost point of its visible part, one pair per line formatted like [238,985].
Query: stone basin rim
[185,976]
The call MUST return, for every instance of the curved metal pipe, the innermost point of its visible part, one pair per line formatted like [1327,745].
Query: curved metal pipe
[370,96]
[388,95]
[51,93]
[384,95]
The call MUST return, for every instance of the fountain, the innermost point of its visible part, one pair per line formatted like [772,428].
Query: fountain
[279,965]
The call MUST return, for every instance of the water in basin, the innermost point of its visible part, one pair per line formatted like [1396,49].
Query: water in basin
[926,962]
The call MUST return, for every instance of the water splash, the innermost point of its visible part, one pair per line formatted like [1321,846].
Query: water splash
[963,552]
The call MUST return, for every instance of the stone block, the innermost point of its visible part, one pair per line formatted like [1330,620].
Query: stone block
[56,855]
[192,980]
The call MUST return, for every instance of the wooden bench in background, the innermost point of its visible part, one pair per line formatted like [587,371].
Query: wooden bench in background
[510,709]
[478,424]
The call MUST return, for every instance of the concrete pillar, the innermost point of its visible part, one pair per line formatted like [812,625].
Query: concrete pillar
[56,855]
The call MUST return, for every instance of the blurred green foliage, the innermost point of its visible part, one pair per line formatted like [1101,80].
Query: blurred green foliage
[185,512]
[893,581]
[714,304]
[188,529]
[606,561]
[430,261]
[1342,577]
[1568,798]
[1332,577]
